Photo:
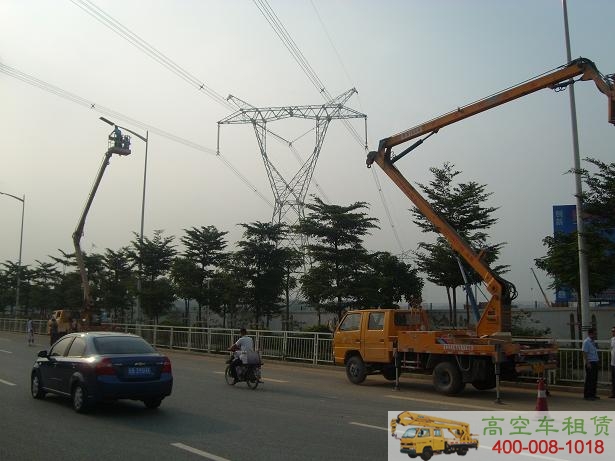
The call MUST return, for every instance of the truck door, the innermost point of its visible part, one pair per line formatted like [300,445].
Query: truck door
[347,336]
[374,345]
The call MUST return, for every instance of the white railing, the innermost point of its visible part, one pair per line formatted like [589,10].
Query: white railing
[306,347]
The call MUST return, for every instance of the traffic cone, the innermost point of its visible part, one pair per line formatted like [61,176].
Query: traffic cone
[541,400]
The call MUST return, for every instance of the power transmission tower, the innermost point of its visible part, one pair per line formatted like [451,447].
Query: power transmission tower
[289,195]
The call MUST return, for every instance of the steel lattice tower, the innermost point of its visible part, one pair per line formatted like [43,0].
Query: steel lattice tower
[290,195]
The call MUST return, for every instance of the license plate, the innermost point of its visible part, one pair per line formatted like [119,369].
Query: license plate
[139,371]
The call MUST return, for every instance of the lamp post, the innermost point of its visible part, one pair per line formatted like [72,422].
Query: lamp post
[23,208]
[583,295]
[146,140]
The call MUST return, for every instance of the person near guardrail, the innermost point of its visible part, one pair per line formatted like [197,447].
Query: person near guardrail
[590,360]
[243,344]
[30,331]
[612,396]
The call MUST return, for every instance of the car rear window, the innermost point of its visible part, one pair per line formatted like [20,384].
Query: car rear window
[122,345]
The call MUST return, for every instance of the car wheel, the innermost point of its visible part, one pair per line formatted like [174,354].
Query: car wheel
[355,370]
[79,398]
[153,403]
[36,387]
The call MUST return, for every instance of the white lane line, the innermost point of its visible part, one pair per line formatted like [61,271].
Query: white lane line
[7,383]
[204,454]
[368,425]
[444,402]
[264,379]
[6,352]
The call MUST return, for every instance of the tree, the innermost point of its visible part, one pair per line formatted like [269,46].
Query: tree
[387,281]
[261,262]
[185,279]
[461,206]
[562,259]
[336,234]
[154,258]
[44,291]
[115,286]
[205,250]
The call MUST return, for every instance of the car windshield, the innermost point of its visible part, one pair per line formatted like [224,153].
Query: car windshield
[122,345]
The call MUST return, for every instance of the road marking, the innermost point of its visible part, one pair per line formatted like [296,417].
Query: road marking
[369,425]
[7,383]
[442,402]
[264,379]
[204,454]
[6,352]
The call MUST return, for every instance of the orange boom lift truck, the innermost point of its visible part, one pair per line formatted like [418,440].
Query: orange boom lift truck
[391,341]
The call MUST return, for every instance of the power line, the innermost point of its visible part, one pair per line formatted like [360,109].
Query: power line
[110,22]
[107,20]
[33,81]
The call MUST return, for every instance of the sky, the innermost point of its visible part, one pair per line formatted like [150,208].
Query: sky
[409,60]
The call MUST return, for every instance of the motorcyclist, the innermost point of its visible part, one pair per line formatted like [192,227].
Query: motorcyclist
[243,344]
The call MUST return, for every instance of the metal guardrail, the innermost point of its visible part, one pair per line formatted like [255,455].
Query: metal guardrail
[305,347]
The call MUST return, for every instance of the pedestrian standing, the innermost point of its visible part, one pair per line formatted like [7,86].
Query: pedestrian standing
[53,331]
[612,396]
[590,360]
[30,332]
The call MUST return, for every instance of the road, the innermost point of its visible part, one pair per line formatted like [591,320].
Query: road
[299,413]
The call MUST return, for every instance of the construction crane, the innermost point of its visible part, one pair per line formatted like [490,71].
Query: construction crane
[118,144]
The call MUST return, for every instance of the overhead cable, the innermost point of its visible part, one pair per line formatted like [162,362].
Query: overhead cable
[12,72]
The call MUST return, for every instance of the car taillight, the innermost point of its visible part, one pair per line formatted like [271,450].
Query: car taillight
[166,366]
[104,367]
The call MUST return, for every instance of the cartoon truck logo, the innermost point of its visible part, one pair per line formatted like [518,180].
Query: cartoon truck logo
[427,437]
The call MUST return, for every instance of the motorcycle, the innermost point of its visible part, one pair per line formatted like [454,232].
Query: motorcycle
[248,371]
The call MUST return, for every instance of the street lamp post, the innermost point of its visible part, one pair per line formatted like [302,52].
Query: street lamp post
[583,295]
[23,208]
[146,140]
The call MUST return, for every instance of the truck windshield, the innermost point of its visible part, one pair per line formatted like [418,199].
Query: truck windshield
[410,433]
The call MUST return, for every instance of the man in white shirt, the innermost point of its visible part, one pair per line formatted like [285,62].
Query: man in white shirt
[612,396]
[243,344]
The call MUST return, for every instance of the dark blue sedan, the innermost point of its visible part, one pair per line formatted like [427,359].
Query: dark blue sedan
[91,367]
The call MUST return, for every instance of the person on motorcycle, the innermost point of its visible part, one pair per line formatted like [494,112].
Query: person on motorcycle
[243,344]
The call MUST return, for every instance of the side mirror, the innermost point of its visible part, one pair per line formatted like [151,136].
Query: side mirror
[42,354]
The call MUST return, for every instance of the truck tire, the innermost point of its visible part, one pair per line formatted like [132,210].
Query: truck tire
[389,373]
[427,454]
[355,370]
[447,378]
[462,451]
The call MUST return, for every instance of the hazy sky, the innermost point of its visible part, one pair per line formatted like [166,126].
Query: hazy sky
[409,60]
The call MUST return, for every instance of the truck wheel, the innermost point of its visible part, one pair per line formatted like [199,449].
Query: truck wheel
[355,370]
[462,451]
[427,454]
[447,378]
[389,373]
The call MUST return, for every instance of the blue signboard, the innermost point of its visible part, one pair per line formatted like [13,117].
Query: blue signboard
[564,219]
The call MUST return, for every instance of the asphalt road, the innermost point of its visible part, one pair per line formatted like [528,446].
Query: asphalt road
[299,413]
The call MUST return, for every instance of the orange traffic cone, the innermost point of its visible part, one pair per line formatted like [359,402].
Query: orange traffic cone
[541,400]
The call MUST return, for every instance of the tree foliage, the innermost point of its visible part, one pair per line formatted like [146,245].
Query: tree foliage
[562,259]
[336,235]
[462,206]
